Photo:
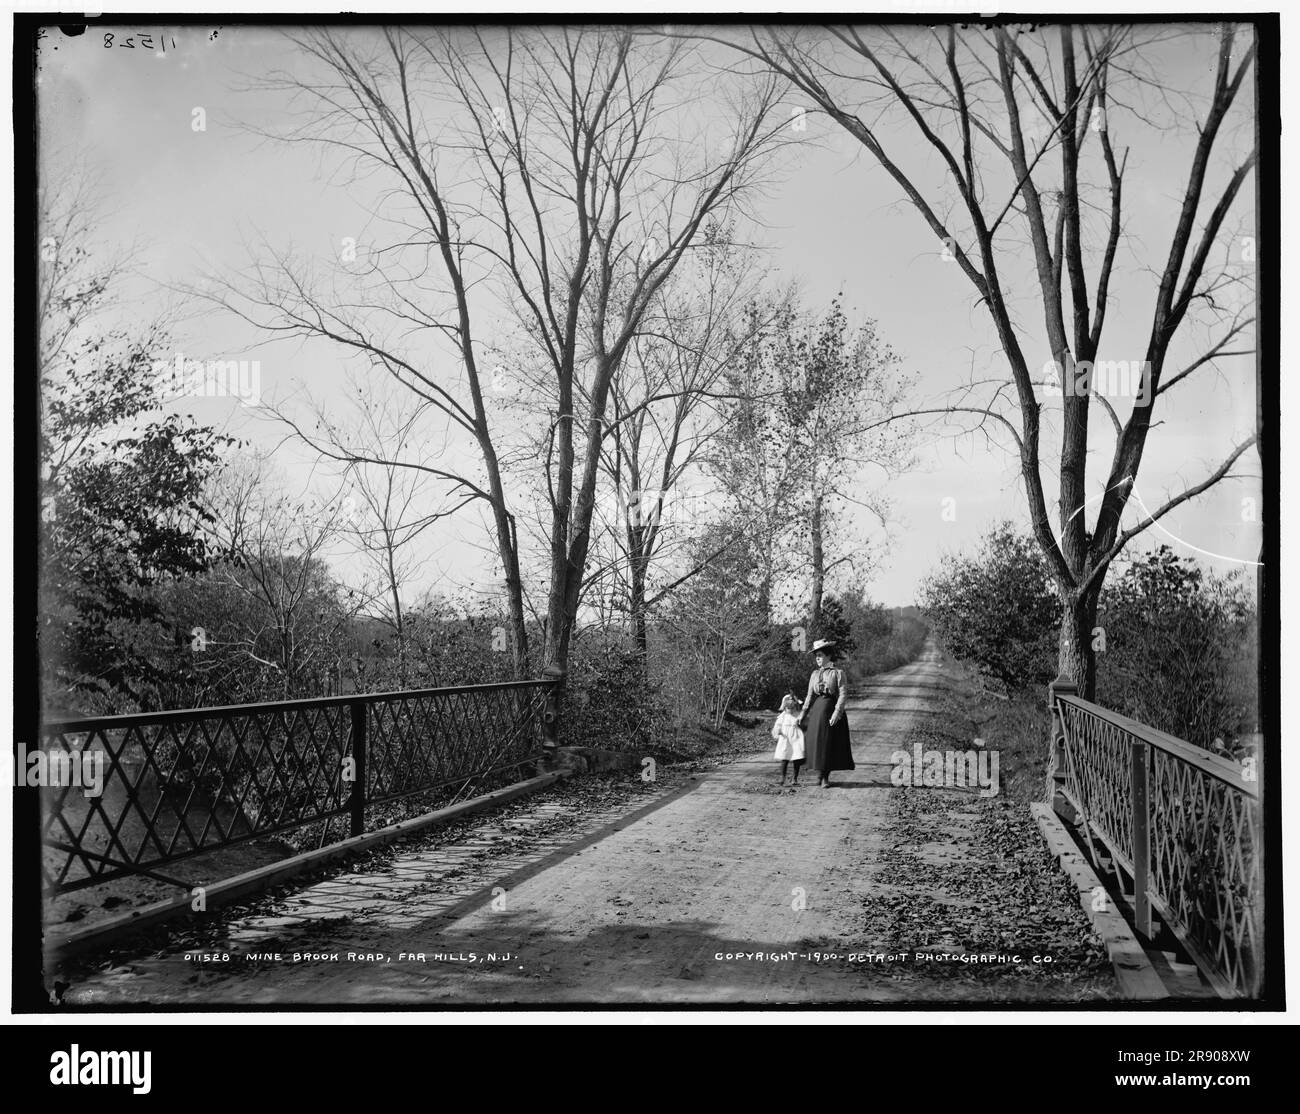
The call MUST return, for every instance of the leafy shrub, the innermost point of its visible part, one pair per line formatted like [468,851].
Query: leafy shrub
[1180,649]
[1180,644]
[608,703]
[998,610]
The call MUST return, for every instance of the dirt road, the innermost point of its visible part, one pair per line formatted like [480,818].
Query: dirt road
[722,889]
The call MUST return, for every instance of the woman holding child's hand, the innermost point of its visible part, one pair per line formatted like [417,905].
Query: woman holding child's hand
[826,729]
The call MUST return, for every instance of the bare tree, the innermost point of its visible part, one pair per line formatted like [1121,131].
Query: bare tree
[548,174]
[382,449]
[292,617]
[1027,124]
[667,408]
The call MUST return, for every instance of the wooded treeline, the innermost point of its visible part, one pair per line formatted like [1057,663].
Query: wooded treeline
[562,332]
[1177,647]
[658,439]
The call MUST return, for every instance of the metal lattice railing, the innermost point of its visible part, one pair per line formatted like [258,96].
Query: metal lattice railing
[1184,824]
[173,785]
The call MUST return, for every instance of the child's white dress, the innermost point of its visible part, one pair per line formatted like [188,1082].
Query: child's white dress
[789,739]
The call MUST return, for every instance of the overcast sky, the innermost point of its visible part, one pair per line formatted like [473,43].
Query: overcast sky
[835,221]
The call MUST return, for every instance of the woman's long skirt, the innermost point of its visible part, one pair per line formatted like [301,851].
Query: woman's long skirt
[827,747]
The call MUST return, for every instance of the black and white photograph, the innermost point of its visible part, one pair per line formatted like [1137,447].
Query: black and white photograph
[658,513]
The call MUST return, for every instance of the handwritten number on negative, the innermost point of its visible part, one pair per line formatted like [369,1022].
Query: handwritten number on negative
[146,42]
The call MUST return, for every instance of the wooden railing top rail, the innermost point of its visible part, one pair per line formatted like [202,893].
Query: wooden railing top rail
[136,719]
[1222,768]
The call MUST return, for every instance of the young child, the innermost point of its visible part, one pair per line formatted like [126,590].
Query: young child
[789,737]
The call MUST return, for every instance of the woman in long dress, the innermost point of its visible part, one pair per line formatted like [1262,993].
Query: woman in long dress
[827,745]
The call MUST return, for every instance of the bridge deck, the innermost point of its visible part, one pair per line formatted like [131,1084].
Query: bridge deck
[631,903]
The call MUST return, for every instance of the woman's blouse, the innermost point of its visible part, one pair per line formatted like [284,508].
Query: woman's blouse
[827,682]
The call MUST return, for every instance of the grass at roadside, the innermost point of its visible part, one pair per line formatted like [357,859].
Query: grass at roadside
[1016,727]
[970,876]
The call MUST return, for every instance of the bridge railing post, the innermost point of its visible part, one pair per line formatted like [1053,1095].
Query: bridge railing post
[551,714]
[1139,766]
[1056,761]
[357,801]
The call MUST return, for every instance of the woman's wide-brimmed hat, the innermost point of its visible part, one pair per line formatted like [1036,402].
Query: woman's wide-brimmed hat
[822,644]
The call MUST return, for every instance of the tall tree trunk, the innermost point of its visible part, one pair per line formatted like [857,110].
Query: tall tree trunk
[638,565]
[401,654]
[639,625]
[818,561]
[399,620]
[508,550]
[555,650]
[1077,659]
[571,537]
